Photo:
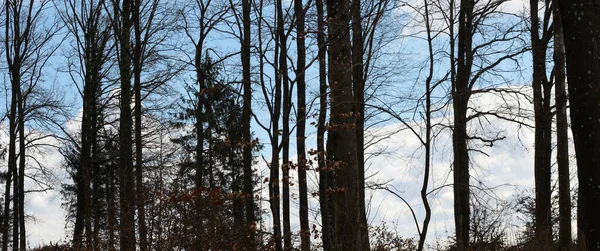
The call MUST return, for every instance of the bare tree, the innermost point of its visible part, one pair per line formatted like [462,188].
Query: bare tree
[473,59]
[86,24]
[151,72]
[206,18]
[27,47]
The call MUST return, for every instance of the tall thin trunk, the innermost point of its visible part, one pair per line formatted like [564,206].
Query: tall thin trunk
[110,201]
[127,198]
[200,120]
[324,198]
[274,193]
[12,161]
[7,199]
[137,72]
[13,57]
[562,137]
[236,187]
[460,99]
[84,174]
[582,32]
[543,227]
[246,113]
[86,131]
[9,174]
[301,125]
[16,214]
[22,156]
[285,137]
[93,163]
[359,111]
[12,168]
[285,141]
[427,167]
[85,169]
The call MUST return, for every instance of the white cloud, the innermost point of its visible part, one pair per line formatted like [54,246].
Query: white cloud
[508,168]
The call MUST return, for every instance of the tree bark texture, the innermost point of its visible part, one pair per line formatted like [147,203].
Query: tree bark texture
[342,128]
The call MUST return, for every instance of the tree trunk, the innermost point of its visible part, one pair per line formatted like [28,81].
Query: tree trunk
[84,173]
[461,171]
[137,75]
[110,201]
[127,223]
[13,57]
[582,33]
[359,112]
[9,173]
[200,120]
[8,176]
[246,113]
[94,170]
[543,120]
[285,141]
[342,132]
[428,129]
[460,96]
[285,137]
[274,193]
[562,137]
[12,171]
[301,125]
[22,156]
[324,173]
